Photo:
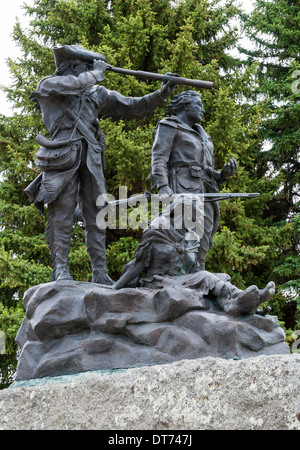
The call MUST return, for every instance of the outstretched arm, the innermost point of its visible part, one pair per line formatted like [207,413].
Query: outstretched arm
[115,105]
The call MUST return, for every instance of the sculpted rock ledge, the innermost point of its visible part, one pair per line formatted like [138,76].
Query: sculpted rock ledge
[73,327]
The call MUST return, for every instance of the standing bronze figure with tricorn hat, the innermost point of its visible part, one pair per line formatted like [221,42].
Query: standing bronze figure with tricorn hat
[71,102]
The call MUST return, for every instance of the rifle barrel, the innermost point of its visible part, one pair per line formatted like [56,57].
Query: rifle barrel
[165,78]
[214,197]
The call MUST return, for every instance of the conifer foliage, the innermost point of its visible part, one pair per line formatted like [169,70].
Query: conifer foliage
[257,238]
[274,30]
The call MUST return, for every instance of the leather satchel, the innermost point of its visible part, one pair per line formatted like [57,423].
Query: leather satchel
[55,159]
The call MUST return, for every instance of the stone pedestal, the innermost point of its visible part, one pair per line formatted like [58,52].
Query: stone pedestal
[260,393]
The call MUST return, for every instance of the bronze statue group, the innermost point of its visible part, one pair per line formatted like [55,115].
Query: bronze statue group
[72,162]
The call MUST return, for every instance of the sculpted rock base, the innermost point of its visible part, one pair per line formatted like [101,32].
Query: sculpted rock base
[73,327]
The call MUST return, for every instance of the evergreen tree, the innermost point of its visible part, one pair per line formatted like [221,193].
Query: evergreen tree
[274,28]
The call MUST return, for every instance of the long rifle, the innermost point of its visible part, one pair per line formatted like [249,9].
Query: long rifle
[165,78]
[207,197]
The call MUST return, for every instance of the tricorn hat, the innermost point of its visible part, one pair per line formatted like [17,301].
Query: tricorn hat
[73,52]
